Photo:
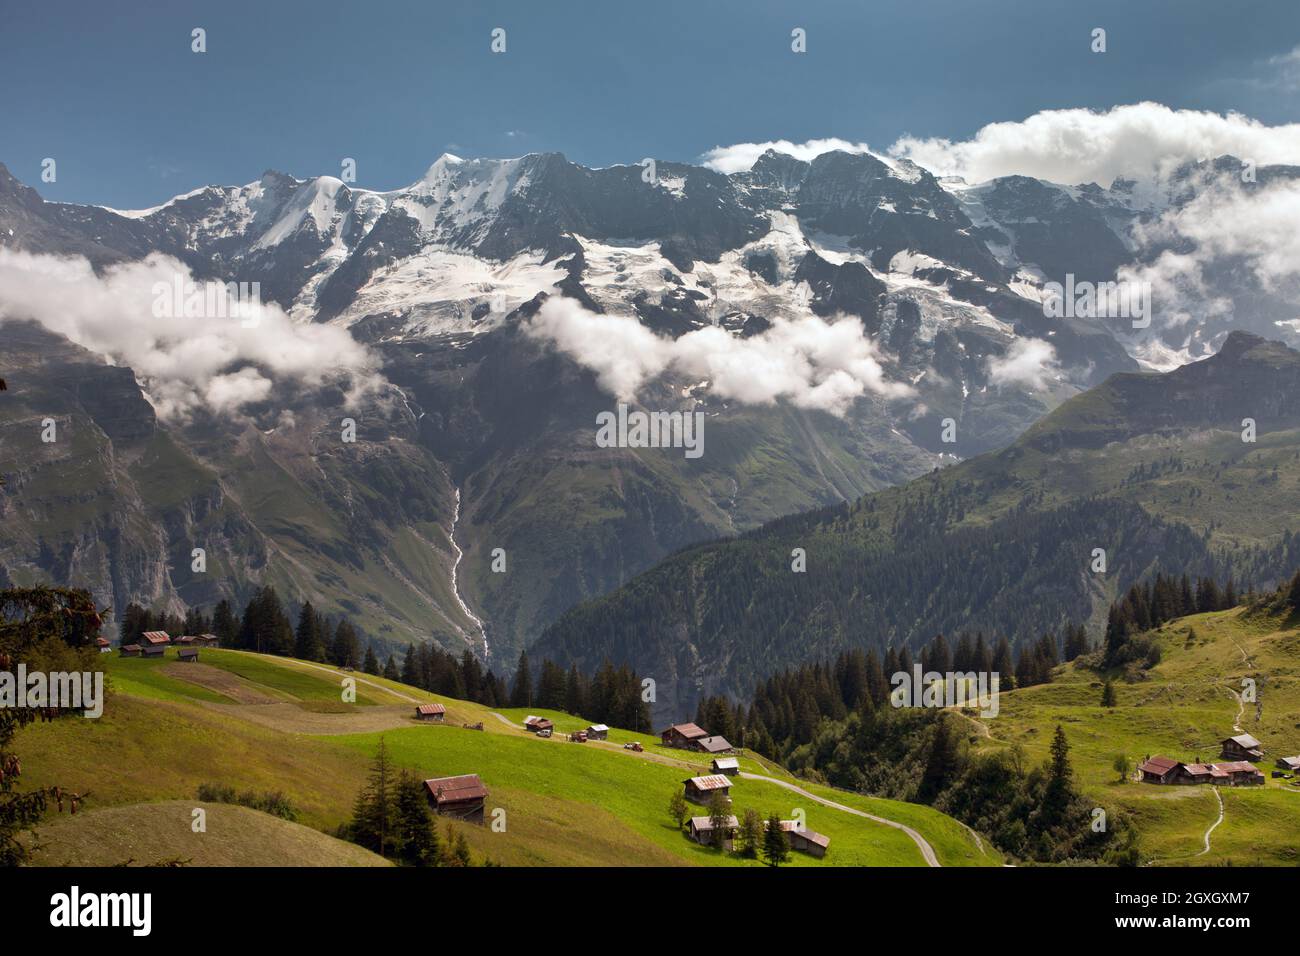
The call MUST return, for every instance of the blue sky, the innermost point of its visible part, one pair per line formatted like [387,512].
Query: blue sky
[132,116]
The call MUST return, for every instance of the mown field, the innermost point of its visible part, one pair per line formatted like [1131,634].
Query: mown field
[1182,708]
[262,724]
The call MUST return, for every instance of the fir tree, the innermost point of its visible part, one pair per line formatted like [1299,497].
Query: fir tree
[776,847]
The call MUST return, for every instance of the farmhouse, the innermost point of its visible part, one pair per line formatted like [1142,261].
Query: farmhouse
[1195,773]
[434,712]
[1159,770]
[728,765]
[805,840]
[152,650]
[1242,773]
[461,797]
[702,832]
[187,653]
[102,645]
[209,640]
[129,650]
[154,637]
[1242,747]
[185,639]
[714,745]
[700,789]
[1289,763]
[683,736]
[598,732]
[538,723]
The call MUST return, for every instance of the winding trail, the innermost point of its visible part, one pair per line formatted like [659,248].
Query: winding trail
[1219,797]
[922,844]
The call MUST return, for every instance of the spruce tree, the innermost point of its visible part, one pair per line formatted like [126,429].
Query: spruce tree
[776,846]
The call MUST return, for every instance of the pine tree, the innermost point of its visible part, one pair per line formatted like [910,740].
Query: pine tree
[306,640]
[415,836]
[375,811]
[371,663]
[390,669]
[719,817]
[750,837]
[1108,693]
[776,846]
[522,693]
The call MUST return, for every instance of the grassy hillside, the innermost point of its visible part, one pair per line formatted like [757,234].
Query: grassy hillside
[1182,708]
[261,723]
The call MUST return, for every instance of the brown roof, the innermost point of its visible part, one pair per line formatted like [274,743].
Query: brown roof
[1197,769]
[431,709]
[130,647]
[156,637]
[1289,761]
[1159,765]
[714,745]
[101,642]
[689,731]
[706,823]
[812,836]
[1238,766]
[456,789]
[185,639]
[209,637]
[713,781]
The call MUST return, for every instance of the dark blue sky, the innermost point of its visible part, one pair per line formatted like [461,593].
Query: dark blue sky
[113,93]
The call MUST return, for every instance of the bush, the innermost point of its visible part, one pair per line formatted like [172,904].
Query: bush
[274,802]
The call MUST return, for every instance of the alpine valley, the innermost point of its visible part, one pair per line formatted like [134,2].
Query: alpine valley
[479,438]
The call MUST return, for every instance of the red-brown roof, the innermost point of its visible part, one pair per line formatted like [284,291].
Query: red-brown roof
[431,709]
[1159,765]
[713,781]
[156,637]
[101,642]
[456,789]
[689,731]
[714,745]
[185,639]
[1238,766]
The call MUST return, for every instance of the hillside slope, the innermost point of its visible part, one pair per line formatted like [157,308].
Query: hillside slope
[1151,468]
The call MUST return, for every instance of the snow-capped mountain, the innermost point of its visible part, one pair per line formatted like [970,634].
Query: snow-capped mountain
[441,278]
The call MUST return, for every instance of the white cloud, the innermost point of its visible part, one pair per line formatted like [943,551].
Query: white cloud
[1079,145]
[1027,362]
[186,362]
[808,361]
[742,156]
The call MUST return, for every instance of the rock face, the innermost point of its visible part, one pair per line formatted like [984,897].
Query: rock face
[439,277]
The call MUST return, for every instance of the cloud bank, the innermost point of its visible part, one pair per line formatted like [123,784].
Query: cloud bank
[186,363]
[1066,146]
[808,361]
[1030,363]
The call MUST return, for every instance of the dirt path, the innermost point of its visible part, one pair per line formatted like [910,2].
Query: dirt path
[1214,825]
[223,682]
[360,679]
[922,844]
[927,851]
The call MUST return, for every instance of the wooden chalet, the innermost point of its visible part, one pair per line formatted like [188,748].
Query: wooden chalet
[538,723]
[701,831]
[728,765]
[683,736]
[129,650]
[1289,763]
[103,646]
[152,650]
[597,732]
[1242,747]
[461,797]
[187,654]
[209,640]
[185,640]
[701,789]
[714,745]
[1194,774]
[156,638]
[805,840]
[434,712]
[1242,773]
[1159,770]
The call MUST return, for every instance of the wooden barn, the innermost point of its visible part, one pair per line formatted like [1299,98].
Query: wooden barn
[805,840]
[462,797]
[185,640]
[1194,774]
[597,732]
[1242,747]
[1242,773]
[1159,770]
[154,638]
[103,646]
[434,712]
[702,832]
[1289,763]
[701,789]
[209,640]
[714,745]
[538,723]
[683,736]
[152,650]
[129,650]
[187,654]
[728,765]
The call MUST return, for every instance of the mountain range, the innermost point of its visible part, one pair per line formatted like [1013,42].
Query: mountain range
[479,433]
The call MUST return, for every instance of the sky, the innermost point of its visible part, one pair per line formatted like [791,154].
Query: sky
[132,116]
